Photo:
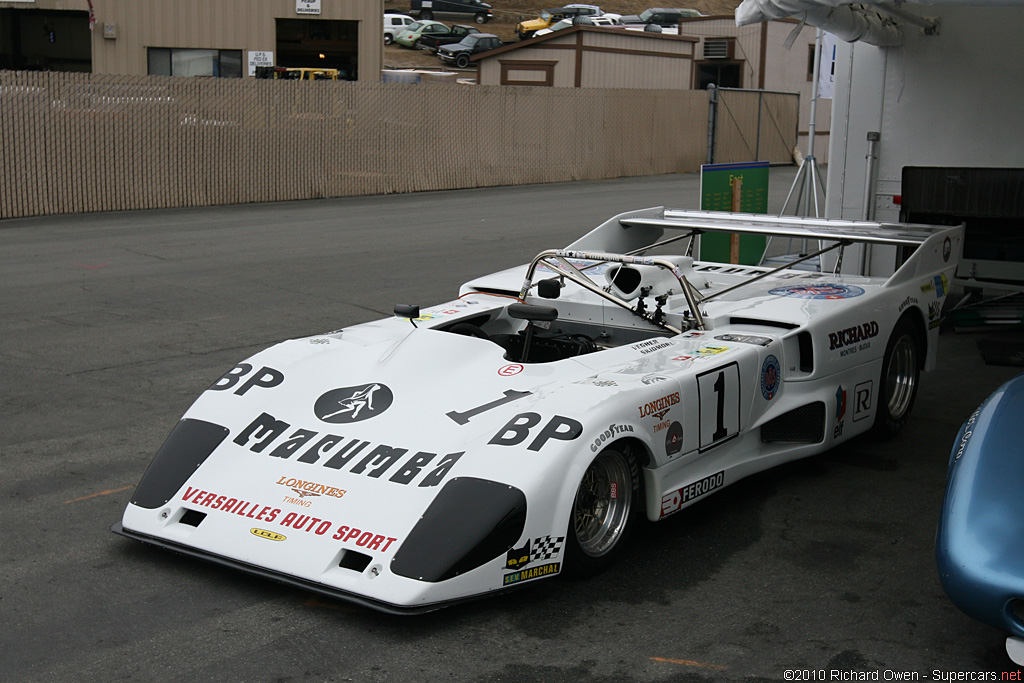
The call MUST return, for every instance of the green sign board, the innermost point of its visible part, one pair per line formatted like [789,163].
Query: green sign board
[720,186]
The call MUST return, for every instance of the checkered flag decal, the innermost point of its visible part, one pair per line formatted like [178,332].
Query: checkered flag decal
[546,547]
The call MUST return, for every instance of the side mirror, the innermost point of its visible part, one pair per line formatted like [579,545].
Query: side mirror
[549,289]
[407,311]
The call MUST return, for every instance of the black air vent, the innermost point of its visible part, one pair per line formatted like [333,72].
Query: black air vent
[805,424]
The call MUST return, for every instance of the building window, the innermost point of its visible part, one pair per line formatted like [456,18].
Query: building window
[810,62]
[527,72]
[169,61]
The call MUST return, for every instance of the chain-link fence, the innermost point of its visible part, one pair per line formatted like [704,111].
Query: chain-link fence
[81,142]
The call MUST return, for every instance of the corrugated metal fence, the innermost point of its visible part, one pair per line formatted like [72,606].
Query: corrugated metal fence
[81,142]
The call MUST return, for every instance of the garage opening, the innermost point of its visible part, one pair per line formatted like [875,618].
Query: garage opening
[990,203]
[45,40]
[319,44]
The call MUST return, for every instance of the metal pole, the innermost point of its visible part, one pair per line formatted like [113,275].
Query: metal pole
[869,167]
[812,123]
[712,116]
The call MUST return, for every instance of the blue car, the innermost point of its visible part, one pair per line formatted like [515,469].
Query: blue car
[980,542]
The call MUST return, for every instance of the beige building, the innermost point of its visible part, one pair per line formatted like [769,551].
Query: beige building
[221,38]
[709,50]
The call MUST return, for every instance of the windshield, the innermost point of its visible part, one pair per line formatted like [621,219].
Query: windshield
[545,15]
[646,14]
[415,26]
[470,40]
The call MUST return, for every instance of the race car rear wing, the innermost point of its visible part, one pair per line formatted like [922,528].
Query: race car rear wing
[932,247]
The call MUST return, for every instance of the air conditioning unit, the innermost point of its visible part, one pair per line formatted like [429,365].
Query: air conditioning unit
[717,48]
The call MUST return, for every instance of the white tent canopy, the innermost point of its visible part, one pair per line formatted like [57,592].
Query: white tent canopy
[876,22]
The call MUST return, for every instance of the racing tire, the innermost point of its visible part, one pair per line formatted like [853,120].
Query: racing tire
[388,39]
[426,14]
[480,18]
[897,388]
[603,513]
[462,61]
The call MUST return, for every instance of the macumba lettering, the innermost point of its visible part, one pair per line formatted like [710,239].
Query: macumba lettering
[335,452]
[852,335]
[659,405]
[293,520]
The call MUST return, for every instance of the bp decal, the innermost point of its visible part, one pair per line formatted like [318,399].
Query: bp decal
[823,291]
[771,373]
[353,404]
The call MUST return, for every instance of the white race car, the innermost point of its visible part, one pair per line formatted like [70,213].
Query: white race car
[522,429]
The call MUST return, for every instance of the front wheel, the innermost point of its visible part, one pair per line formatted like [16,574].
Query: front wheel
[603,513]
[898,386]
[462,61]
[388,39]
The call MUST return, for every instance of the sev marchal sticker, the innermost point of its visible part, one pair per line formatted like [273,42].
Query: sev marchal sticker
[823,291]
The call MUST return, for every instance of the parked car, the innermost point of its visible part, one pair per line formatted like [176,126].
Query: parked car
[460,53]
[411,34]
[548,17]
[431,42]
[979,547]
[660,16]
[393,24]
[428,9]
[567,22]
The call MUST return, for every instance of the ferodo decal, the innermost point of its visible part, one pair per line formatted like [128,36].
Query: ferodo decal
[264,378]
[353,404]
[852,335]
[292,520]
[607,434]
[674,501]
[543,548]
[822,291]
[520,427]
[771,373]
[659,407]
[269,535]
[529,574]
[336,452]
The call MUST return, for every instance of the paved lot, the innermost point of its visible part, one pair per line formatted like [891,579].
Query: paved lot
[114,323]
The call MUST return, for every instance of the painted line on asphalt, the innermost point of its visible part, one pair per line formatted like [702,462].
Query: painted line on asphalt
[101,493]
[687,662]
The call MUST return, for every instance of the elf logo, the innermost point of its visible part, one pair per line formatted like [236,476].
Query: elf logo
[269,535]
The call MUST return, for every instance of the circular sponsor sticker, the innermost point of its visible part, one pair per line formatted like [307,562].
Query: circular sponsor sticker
[771,373]
[674,439]
[510,369]
[822,291]
[353,404]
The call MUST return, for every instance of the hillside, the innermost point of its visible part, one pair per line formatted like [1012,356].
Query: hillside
[507,13]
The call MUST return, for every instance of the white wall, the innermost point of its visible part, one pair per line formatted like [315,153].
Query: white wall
[955,99]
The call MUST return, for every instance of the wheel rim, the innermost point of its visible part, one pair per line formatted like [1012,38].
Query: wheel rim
[902,376]
[601,508]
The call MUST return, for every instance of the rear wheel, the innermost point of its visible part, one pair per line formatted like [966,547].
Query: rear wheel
[426,14]
[602,513]
[388,39]
[898,385]
[480,18]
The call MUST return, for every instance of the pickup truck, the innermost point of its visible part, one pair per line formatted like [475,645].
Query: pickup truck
[460,53]
[428,9]
[431,42]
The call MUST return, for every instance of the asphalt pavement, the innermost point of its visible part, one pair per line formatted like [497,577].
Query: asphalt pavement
[113,323]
